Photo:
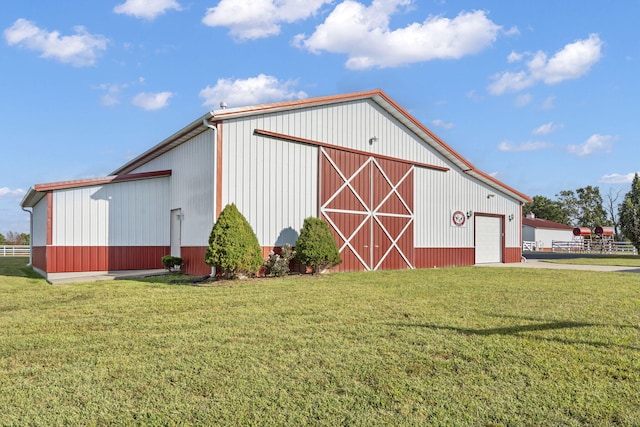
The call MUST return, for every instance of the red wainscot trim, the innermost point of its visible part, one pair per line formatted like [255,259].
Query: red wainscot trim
[443,257]
[70,259]
[193,257]
[512,255]
[39,257]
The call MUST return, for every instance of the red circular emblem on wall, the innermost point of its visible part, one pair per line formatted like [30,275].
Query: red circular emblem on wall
[458,218]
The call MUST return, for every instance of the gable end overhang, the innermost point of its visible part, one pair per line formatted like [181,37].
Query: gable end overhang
[36,193]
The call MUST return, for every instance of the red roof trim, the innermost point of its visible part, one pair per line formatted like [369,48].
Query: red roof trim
[424,129]
[221,114]
[382,98]
[545,223]
[63,185]
[276,135]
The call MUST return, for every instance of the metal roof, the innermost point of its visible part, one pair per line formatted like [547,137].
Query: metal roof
[545,223]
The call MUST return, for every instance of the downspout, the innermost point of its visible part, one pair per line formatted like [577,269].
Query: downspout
[30,235]
[205,122]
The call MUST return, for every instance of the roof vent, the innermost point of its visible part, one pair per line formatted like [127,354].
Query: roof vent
[223,105]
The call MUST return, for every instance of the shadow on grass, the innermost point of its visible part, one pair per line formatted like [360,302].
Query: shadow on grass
[17,267]
[518,329]
[509,330]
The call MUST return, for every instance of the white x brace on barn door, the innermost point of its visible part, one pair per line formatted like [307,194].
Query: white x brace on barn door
[368,203]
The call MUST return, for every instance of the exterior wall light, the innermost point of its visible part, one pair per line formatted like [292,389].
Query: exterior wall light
[373,139]
[469,214]
[511,217]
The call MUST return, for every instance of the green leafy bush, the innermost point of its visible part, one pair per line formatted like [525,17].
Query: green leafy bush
[172,263]
[316,247]
[233,246]
[277,264]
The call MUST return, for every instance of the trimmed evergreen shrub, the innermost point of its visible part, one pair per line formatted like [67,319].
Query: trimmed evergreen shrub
[316,247]
[277,265]
[233,246]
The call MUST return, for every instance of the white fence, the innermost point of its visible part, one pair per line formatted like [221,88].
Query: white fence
[591,246]
[14,250]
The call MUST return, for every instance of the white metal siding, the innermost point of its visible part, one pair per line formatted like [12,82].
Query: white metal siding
[488,239]
[437,194]
[39,237]
[544,237]
[273,183]
[352,124]
[134,213]
[192,166]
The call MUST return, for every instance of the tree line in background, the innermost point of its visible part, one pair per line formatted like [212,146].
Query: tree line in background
[585,207]
[14,238]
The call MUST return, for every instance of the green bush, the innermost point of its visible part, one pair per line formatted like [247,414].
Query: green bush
[233,246]
[316,247]
[277,265]
[171,262]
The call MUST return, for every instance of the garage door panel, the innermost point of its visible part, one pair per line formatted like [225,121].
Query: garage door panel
[489,239]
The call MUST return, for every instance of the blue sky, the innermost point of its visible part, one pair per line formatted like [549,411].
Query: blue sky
[543,95]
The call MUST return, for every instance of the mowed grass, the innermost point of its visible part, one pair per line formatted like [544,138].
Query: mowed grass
[460,346]
[613,260]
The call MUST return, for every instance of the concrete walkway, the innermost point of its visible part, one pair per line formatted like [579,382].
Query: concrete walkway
[538,263]
[59,278]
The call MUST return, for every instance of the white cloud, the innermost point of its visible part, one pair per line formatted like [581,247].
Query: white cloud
[112,95]
[513,31]
[254,19]
[251,91]
[364,35]
[7,192]
[547,128]
[523,100]
[146,9]
[548,103]
[616,178]
[595,143]
[525,146]
[474,96]
[81,49]
[514,57]
[572,62]
[442,124]
[152,101]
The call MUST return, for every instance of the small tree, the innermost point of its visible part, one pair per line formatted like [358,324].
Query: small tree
[233,246]
[316,247]
[629,213]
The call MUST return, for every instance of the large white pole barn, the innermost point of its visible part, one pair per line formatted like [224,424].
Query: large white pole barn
[393,193]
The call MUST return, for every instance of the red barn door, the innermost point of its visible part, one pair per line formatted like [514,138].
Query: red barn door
[368,203]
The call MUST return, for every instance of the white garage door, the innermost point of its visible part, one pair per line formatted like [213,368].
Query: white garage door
[488,239]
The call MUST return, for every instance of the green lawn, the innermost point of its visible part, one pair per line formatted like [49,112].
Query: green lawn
[460,346]
[615,260]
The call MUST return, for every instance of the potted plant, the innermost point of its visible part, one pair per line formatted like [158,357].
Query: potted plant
[172,263]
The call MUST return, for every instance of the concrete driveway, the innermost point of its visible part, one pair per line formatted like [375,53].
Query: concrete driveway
[536,263]
[538,260]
